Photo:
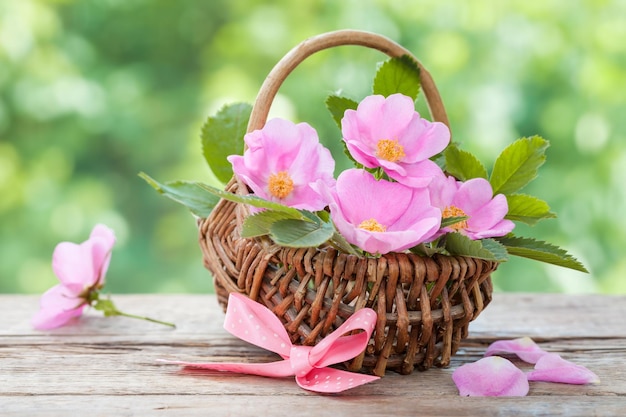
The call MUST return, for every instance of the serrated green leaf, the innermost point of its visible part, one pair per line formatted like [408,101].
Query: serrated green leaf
[222,135]
[190,194]
[488,249]
[541,251]
[463,165]
[338,105]
[517,165]
[259,224]
[527,209]
[398,75]
[300,234]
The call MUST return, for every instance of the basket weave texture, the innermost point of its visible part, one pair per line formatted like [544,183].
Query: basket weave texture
[424,304]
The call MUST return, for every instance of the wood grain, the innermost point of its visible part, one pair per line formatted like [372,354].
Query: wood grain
[108,366]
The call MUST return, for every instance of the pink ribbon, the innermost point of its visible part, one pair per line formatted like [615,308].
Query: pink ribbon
[256,324]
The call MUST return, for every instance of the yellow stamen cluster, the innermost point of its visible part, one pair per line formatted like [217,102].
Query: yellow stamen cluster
[372,225]
[454,211]
[280,185]
[390,150]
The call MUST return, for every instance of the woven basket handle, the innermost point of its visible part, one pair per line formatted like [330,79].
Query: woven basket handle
[329,40]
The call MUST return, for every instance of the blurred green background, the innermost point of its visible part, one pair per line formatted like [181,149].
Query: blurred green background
[94,91]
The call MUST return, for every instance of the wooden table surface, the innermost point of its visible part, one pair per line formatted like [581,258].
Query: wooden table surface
[108,366]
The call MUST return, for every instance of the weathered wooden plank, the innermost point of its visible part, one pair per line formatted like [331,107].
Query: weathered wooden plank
[308,405]
[110,363]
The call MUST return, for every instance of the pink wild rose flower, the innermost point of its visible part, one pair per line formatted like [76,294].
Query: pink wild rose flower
[474,199]
[389,133]
[281,163]
[81,269]
[381,216]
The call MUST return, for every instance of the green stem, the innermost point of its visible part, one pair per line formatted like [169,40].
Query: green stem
[133,316]
[109,309]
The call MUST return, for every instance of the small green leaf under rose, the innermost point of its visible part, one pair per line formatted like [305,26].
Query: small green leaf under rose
[301,234]
[488,249]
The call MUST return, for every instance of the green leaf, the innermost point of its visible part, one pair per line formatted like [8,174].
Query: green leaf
[541,251]
[398,75]
[449,221]
[338,105]
[339,242]
[424,249]
[222,135]
[254,201]
[488,249]
[259,224]
[527,209]
[190,194]
[463,165]
[517,165]
[301,234]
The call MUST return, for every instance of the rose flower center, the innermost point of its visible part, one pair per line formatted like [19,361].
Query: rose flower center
[454,211]
[372,225]
[280,184]
[390,150]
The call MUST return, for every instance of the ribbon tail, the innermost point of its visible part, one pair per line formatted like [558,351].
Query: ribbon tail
[272,369]
[330,380]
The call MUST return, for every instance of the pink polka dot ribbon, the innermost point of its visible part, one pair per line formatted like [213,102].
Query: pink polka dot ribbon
[256,324]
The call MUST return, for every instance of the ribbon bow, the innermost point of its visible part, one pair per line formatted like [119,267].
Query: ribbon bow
[256,324]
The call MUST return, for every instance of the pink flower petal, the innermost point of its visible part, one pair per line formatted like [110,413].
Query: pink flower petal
[57,307]
[83,266]
[553,368]
[490,377]
[525,348]
[103,239]
[73,265]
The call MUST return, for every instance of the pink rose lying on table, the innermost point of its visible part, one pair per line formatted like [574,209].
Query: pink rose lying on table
[81,269]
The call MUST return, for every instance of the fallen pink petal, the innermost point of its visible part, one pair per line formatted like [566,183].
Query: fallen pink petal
[490,377]
[524,347]
[553,368]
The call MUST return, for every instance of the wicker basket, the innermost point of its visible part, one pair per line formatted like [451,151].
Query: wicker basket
[424,304]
